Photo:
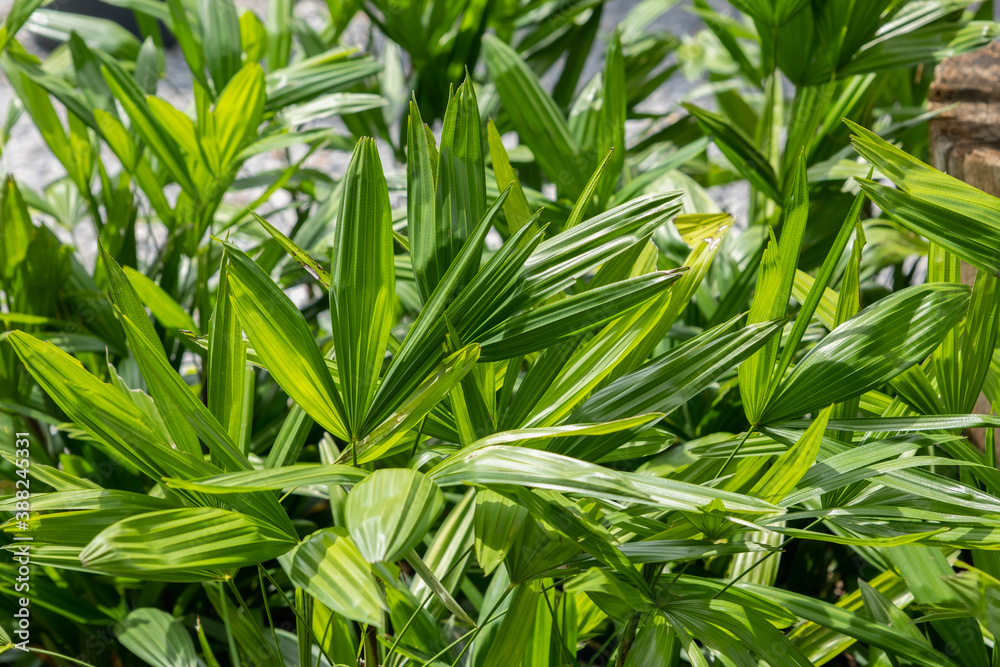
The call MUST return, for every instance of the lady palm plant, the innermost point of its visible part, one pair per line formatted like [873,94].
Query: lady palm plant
[473,500]
[606,430]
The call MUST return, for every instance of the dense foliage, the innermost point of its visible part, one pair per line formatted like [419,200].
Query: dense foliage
[513,389]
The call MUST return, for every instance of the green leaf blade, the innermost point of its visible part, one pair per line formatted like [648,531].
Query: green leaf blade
[362,282]
[879,343]
[390,511]
[282,338]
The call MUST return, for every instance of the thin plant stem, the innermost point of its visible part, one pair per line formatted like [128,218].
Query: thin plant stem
[246,610]
[601,650]
[267,606]
[32,649]
[555,624]
[477,629]
[234,654]
[298,616]
[427,599]
[420,434]
[756,563]
[736,451]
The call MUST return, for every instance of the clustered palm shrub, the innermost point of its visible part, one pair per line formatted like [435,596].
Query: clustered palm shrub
[542,404]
